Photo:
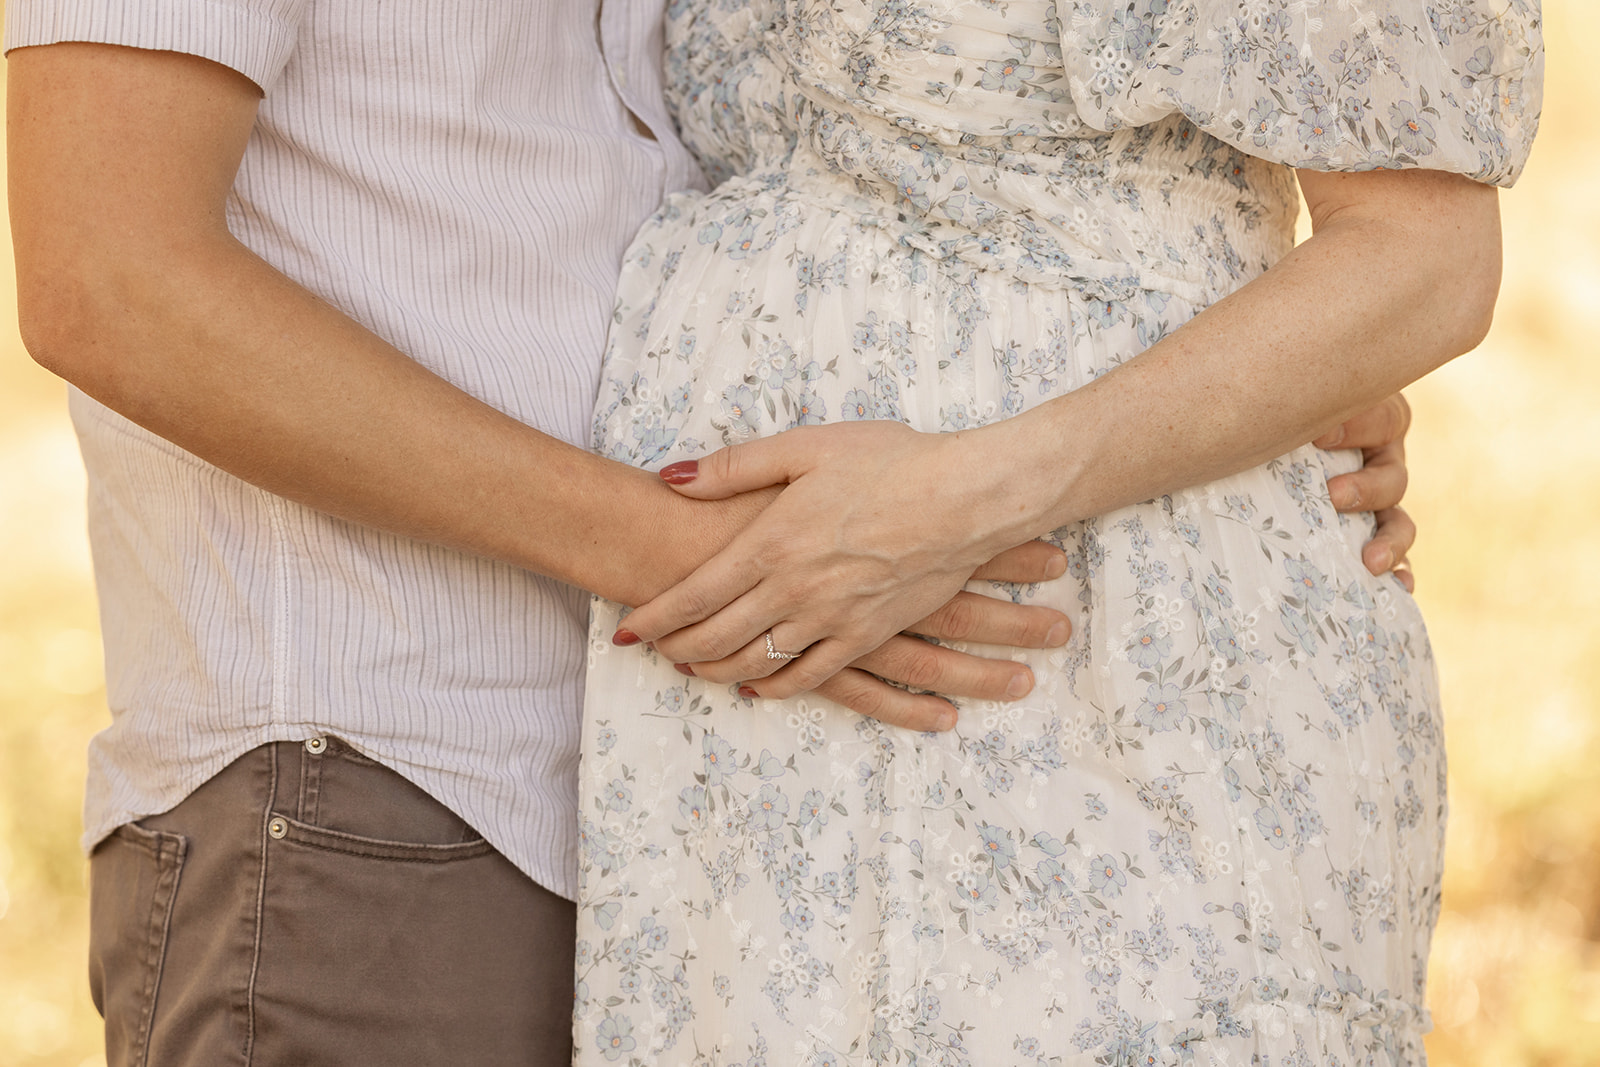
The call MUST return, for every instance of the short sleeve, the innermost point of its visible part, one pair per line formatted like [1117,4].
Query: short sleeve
[254,37]
[1451,85]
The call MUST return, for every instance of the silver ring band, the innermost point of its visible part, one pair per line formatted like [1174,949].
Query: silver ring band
[774,652]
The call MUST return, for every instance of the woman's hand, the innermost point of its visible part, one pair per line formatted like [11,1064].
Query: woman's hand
[879,526]
[876,526]
[1380,433]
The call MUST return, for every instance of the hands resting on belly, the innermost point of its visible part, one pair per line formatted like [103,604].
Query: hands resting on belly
[831,567]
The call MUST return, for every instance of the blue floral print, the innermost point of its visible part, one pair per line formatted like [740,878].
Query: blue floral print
[1211,835]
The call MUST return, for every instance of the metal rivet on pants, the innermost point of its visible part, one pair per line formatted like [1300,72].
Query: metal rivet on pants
[278,828]
[316,745]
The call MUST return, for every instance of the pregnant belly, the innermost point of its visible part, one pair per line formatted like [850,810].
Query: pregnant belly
[759,307]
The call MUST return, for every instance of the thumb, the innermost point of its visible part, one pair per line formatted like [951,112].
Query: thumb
[737,469]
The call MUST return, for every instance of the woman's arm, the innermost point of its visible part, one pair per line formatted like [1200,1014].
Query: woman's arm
[879,521]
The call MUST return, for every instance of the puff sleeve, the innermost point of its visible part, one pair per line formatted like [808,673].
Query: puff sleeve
[1451,85]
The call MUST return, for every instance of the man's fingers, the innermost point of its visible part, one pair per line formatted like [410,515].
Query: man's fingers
[1035,561]
[922,665]
[1378,485]
[877,699]
[986,620]
[1384,424]
[1390,543]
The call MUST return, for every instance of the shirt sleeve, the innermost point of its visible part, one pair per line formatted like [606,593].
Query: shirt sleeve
[254,37]
[1450,85]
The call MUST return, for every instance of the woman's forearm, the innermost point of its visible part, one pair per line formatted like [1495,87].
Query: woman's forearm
[1399,277]
[879,521]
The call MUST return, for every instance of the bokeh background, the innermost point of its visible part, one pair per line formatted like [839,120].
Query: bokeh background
[1506,487]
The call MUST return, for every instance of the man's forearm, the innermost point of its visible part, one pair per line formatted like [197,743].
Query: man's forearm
[213,350]
[131,287]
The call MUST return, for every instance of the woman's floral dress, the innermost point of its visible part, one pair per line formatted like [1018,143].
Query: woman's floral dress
[1212,833]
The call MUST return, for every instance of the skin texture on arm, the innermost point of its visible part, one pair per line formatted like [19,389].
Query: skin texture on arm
[1399,276]
[131,287]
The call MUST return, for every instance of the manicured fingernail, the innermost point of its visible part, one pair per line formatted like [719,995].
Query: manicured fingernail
[1056,567]
[681,473]
[748,693]
[947,721]
[624,637]
[1332,439]
[684,669]
[1384,560]
[1345,495]
[1020,684]
[1058,635]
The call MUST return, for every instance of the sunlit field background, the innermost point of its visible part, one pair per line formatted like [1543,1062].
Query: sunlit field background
[1506,488]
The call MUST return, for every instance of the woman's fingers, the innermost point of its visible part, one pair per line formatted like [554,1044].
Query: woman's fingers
[905,661]
[1390,544]
[1384,424]
[711,593]
[768,654]
[742,468]
[989,621]
[1379,484]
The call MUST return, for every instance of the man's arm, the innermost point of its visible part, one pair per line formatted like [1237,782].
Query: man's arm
[131,287]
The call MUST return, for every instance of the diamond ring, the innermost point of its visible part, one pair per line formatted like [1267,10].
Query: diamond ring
[773,652]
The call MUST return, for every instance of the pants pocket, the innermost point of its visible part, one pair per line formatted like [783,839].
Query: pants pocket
[399,953]
[133,882]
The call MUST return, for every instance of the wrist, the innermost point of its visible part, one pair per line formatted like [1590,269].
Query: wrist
[1025,467]
[662,537]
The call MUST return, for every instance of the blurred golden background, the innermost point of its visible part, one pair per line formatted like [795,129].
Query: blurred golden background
[1505,485]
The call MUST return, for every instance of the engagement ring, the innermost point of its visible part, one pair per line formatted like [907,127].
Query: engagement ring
[777,653]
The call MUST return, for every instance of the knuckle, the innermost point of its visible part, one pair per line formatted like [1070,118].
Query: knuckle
[958,619]
[716,673]
[695,604]
[924,667]
[725,462]
[1402,408]
[802,676]
[1402,481]
[868,699]
[705,648]
[783,686]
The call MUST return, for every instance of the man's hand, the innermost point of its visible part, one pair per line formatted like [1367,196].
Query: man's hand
[1380,433]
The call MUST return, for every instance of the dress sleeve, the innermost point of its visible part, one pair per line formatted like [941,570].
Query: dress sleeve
[1451,85]
[254,37]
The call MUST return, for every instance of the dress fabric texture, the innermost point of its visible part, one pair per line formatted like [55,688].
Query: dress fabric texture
[1212,833]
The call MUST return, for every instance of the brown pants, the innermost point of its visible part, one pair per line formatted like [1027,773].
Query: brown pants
[308,906]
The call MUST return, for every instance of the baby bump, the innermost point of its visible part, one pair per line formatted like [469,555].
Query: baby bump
[1236,680]
[762,307]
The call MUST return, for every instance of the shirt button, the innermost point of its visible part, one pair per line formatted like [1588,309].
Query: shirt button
[278,829]
[316,745]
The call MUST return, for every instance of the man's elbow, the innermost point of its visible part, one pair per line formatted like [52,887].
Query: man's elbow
[65,318]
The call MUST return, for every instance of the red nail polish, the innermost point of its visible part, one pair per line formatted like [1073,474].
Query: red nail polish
[684,669]
[681,473]
[624,637]
[748,693]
